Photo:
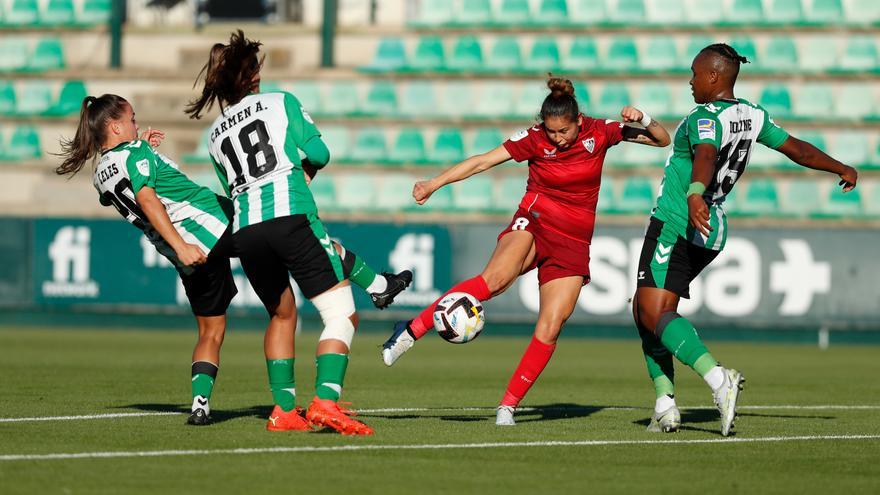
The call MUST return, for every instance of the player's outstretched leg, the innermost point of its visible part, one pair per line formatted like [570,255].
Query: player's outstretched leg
[382,288]
[383,295]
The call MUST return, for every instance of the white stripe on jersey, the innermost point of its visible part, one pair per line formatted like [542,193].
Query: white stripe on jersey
[719,238]
[189,238]
[282,197]
[255,207]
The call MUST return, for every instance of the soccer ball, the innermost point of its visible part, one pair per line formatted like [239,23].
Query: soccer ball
[459,317]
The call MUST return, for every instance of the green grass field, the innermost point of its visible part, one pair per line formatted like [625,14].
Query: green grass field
[434,420]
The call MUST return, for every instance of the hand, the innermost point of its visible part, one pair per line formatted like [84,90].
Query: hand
[153,136]
[309,169]
[191,255]
[848,179]
[423,190]
[698,214]
[631,114]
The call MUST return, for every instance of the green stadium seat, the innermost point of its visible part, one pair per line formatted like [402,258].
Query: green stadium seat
[338,141]
[825,12]
[588,12]
[23,13]
[505,56]
[381,100]
[744,12]
[814,101]
[456,100]
[324,192]
[661,55]
[582,95]
[34,98]
[628,13]
[509,193]
[780,55]
[606,196]
[544,55]
[340,99]
[448,147]
[815,138]
[495,102]
[776,99]
[862,12]
[622,55]
[701,14]
[640,156]
[683,102]
[418,100]
[69,99]
[746,47]
[513,13]
[860,55]
[439,202]
[636,197]
[485,139]
[24,144]
[429,56]
[270,87]
[474,194]
[851,148]
[694,45]
[58,13]
[801,199]
[356,192]
[583,55]
[871,205]
[666,12]
[474,13]
[201,153]
[409,148]
[369,146]
[785,12]
[13,54]
[7,98]
[309,95]
[395,192]
[655,98]
[613,98]
[761,198]
[823,53]
[528,105]
[390,56]
[839,204]
[47,55]
[764,158]
[551,13]
[855,102]
[433,14]
[467,56]
[95,12]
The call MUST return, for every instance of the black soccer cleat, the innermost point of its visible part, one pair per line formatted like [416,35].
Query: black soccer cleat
[396,284]
[198,418]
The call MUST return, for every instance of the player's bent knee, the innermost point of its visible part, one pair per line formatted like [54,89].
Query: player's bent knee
[336,308]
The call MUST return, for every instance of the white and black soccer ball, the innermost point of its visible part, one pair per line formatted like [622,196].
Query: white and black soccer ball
[459,317]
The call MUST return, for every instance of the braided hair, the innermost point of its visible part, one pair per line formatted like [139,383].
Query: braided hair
[727,52]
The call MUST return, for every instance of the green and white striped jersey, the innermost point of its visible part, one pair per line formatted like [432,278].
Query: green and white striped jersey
[733,127]
[254,146]
[196,213]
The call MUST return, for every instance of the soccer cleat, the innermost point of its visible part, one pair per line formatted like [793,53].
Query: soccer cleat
[667,421]
[281,420]
[399,342]
[396,284]
[726,397]
[326,412]
[504,416]
[199,417]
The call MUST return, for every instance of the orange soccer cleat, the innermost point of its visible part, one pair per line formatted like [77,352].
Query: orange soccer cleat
[281,420]
[325,412]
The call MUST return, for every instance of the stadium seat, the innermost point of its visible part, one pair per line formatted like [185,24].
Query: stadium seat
[505,56]
[655,98]
[486,139]
[495,102]
[666,12]
[582,95]
[627,13]
[551,13]
[58,13]
[23,13]
[456,100]
[694,45]
[622,55]
[801,199]
[409,148]
[839,204]
[544,56]
[338,141]
[474,194]
[746,47]
[776,99]
[683,102]
[583,56]
[860,55]
[851,148]
[588,12]
[764,158]
[7,97]
[309,95]
[95,12]
[824,12]
[369,146]
[823,53]
[661,55]
[473,13]
[814,101]
[636,196]
[323,191]
[760,199]
[390,56]
[509,193]
[13,54]
[24,144]
[429,55]
[270,86]
[433,14]
[815,138]
[780,55]
[467,56]
[640,156]
[531,96]
[862,12]
[702,13]
[340,99]
[394,192]
[439,202]
[512,13]
[34,98]
[613,98]
[47,55]
[871,204]
[418,100]
[448,147]
[744,13]
[855,102]
[785,12]
[381,100]
[356,192]
[606,196]
[201,153]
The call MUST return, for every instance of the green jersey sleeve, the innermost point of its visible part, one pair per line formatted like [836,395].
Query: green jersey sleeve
[141,165]
[703,127]
[771,136]
[221,176]
[299,122]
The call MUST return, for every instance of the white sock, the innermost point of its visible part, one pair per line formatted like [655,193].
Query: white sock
[379,284]
[200,402]
[663,403]
[715,377]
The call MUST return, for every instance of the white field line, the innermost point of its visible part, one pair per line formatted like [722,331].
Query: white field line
[829,407]
[447,446]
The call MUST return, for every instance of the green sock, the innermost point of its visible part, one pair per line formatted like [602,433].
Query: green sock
[659,362]
[361,274]
[203,376]
[331,372]
[681,338]
[281,382]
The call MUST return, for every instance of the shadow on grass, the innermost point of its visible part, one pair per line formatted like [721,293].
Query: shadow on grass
[547,412]
[217,416]
[692,417]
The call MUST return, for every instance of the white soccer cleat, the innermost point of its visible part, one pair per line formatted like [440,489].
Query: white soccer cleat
[726,397]
[504,416]
[399,342]
[668,421]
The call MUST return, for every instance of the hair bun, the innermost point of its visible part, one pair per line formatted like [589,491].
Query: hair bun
[560,87]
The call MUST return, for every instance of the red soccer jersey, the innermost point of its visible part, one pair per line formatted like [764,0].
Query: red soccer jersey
[563,185]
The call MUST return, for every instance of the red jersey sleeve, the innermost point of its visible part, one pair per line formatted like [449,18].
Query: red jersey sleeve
[613,132]
[521,145]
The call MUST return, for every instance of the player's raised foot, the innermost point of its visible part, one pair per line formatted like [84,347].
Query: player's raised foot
[399,342]
[668,421]
[726,396]
[281,420]
[504,416]
[327,413]
[396,284]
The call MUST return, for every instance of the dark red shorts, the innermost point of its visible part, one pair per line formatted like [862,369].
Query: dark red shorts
[556,255]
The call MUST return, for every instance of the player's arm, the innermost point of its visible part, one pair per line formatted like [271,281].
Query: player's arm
[653,133]
[701,176]
[807,155]
[473,165]
[188,254]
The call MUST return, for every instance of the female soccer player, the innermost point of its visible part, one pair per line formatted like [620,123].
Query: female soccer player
[552,228]
[276,230]
[187,223]
[688,228]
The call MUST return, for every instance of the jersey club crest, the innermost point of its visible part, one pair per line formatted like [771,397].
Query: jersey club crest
[589,144]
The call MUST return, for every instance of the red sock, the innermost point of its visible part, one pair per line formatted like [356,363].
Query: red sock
[474,286]
[530,367]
